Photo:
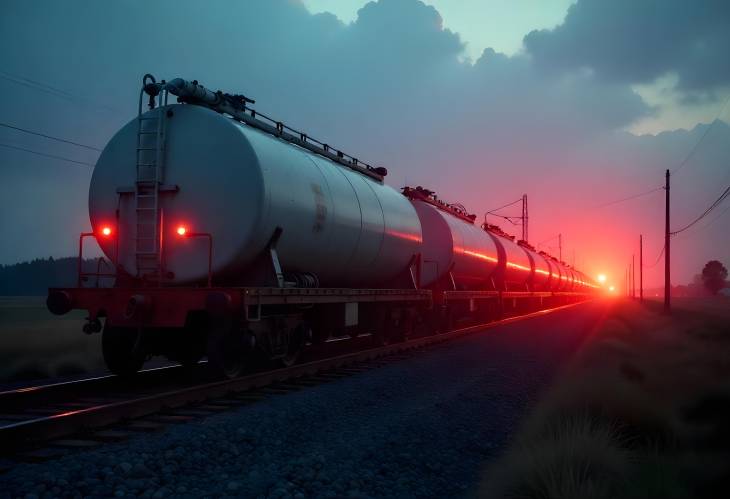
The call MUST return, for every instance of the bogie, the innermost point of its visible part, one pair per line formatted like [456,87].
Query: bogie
[123,349]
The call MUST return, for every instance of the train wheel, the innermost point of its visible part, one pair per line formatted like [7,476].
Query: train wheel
[381,337]
[297,339]
[190,354]
[319,335]
[226,350]
[383,329]
[122,350]
[188,346]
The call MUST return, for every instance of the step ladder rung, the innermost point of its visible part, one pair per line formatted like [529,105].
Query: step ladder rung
[149,170]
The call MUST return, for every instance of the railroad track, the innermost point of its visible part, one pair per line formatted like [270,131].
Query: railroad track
[45,422]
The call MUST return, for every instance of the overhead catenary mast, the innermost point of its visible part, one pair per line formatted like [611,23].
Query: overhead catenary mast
[524,218]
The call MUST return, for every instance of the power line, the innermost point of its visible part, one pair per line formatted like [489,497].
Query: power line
[702,137]
[722,213]
[51,90]
[713,220]
[26,82]
[709,209]
[48,136]
[491,212]
[548,239]
[681,165]
[657,259]
[629,198]
[45,155]
[509,219]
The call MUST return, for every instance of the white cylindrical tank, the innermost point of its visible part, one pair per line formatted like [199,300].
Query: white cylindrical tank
[541,277]
[517,265]
[239,184]
[453,245]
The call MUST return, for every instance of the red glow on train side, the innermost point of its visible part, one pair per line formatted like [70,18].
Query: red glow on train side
[481,256]
[405,235]
[518,266]
[106,231]
[181,230]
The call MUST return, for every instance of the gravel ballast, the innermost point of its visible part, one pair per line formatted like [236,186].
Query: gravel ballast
[421,427]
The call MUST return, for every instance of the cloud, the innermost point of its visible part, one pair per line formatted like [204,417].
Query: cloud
[390,88]
[629,41]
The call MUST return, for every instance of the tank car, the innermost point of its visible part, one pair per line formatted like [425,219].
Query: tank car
[231,235]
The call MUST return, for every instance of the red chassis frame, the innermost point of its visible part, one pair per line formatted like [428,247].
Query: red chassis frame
[169,306]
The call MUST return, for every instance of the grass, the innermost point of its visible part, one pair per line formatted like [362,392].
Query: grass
[642,411]
[35,344]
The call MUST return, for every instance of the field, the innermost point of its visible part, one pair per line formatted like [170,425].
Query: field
[37,344]
[642,411]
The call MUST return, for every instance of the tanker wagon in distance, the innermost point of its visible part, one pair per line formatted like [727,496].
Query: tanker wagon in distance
[236,237]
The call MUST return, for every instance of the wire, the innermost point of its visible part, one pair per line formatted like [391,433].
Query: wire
[46,155]
[491,212]
[681,165]
[714,205]
[722,213]
[657,259]
[26,82]
[702,137]
[548,239]
[51,90]
[709,223]
[48,136]
[629,198]
[509,219]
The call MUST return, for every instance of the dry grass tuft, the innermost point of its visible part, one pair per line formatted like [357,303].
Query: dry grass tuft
[641,412]
[572,458]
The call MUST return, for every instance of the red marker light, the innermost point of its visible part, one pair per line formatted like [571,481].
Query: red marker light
[107,231]
[182,230]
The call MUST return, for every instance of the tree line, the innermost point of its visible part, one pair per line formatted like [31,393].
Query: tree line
[35,277]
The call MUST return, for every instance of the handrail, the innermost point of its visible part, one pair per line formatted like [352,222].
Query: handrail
[80,273]
[234,105]
[430,197]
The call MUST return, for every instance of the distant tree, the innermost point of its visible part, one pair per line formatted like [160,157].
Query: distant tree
[35,277]
[713,276]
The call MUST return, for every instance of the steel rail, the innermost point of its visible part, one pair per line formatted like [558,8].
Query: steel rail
[23,433]
[9,399]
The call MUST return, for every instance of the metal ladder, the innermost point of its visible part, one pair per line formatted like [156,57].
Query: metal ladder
[150,164]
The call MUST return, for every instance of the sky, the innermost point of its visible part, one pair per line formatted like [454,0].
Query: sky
[577,104]
[481,24]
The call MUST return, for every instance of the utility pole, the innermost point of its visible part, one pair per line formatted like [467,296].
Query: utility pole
[641,268]
[633,275]
[560,247]
[628,281]
[667,281]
